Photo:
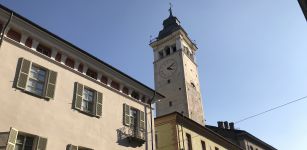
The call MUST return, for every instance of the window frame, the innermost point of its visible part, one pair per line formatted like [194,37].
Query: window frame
[78,100]
[26,136]
[94,92]
[44,83]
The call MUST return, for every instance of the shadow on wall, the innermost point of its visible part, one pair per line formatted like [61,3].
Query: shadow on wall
[124,140]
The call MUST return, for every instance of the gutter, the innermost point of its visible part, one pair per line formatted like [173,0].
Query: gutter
[152,136]
[5,27]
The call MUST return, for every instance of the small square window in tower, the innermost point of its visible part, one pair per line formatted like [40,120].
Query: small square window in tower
[174,48]
[168,81]
[170,103]
[168,51]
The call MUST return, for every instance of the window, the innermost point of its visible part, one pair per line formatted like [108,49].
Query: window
[251,147]
[203,145]
[189,140]
[174,48]
[44,50]
[17,140]
[135,95]
[91,73]
[125,90]
[216,148]
[14,35]
[74,147]
[170,103]
[24,142]
[168,51]
[29,42]
[115,85]
[134,118]
[87,100]
[169,81]
[36,79]
[70,63]
[58,57]
[104,79]
[80,68]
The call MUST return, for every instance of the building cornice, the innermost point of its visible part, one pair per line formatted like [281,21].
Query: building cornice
[26,26]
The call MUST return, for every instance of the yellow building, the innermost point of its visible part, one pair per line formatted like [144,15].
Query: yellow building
[176,132]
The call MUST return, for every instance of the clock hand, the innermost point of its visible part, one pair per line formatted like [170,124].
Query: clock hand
[169,68]
[171,65]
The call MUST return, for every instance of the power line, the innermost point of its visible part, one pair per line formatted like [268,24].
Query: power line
[261,113]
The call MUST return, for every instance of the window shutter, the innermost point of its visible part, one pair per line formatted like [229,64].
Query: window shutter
[41,143]
[78,96]
[72,147]
[23,73]
[126,115]
[142,120]
[51,81]
[98,104]
[12,139]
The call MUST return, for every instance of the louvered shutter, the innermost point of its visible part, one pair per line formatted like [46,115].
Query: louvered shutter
[98,104]
[142,120]
[78,96]
[50,89]
[23,74]
[126,118]
[12,139]
[72,147]
[41,143]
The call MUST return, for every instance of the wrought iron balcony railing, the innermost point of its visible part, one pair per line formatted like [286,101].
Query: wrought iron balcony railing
[133,134]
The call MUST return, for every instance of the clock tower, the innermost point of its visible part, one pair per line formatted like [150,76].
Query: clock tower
[176,73]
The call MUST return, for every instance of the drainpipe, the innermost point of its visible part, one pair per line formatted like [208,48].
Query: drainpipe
[3,29]
[152,136]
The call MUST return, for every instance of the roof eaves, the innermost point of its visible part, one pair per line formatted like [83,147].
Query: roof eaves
[79,49]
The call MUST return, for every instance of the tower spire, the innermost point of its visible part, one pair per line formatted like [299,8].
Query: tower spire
[170,10]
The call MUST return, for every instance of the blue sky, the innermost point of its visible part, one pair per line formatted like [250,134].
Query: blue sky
[252,54]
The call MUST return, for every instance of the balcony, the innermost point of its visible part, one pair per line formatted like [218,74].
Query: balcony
[133,134]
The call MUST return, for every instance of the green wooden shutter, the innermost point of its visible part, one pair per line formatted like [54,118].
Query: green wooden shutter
[41,143]
[51,81]
[126,118]
[142,120]
[12,139]
[72,147]
[98,104]
[78,96]
[23,74]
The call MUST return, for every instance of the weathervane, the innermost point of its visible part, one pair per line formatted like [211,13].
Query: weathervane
[170,9]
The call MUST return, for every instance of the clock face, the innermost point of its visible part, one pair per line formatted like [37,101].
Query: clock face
[168,68]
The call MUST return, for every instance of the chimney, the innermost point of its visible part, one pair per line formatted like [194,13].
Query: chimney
[232,126]
[226,125]
[220,124]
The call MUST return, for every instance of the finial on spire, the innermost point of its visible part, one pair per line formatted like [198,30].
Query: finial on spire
[170,9]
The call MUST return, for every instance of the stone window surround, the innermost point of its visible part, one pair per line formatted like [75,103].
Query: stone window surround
[54,51]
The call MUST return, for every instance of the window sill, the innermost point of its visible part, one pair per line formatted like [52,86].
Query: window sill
[87,113]
[33,94]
